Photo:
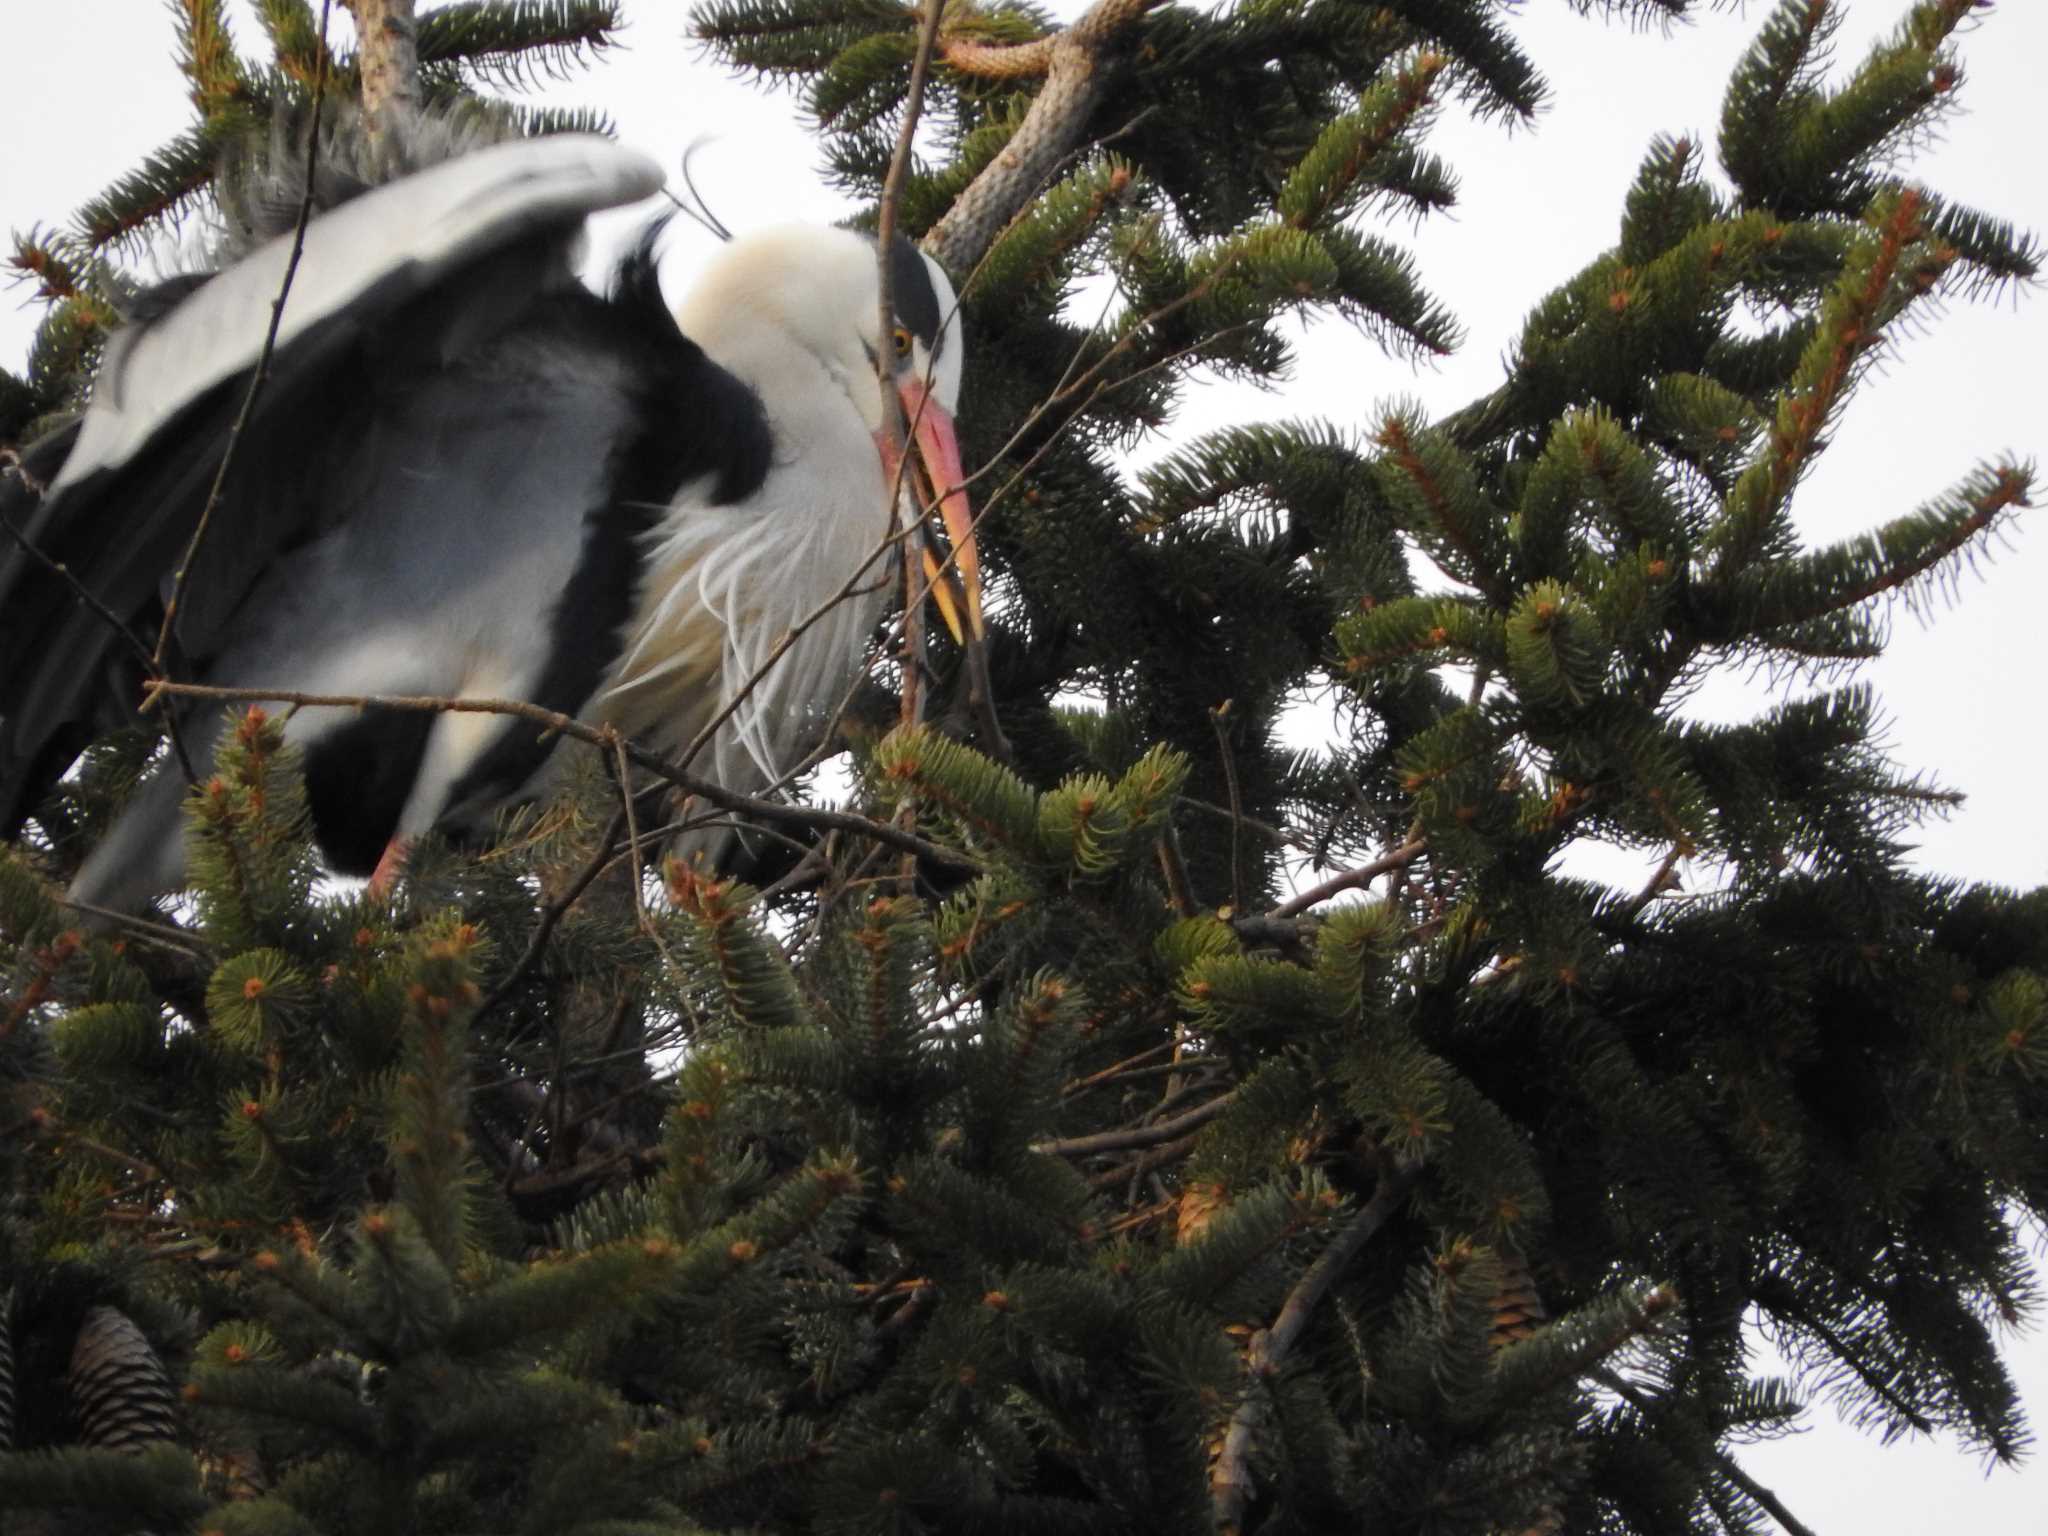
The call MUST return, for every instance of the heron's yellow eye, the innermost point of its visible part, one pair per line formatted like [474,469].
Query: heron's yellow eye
[900,339]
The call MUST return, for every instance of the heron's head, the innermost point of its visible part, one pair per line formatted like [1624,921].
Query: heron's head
[821,288]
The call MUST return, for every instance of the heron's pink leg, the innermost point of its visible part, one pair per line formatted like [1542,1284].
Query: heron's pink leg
[389,868]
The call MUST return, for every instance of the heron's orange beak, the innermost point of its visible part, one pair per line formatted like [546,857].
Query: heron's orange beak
[935,480]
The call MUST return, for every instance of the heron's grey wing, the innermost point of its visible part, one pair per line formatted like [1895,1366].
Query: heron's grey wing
[484,538]
[390,285]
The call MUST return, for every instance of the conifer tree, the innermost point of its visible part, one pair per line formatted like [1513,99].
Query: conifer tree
[1068,1177]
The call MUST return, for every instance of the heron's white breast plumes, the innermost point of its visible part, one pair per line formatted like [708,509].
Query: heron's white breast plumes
[724,588]
[767,605]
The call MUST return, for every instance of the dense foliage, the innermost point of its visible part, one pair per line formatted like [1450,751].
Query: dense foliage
[1073,1180]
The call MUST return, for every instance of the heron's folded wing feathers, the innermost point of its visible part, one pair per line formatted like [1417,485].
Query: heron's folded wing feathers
[399,278]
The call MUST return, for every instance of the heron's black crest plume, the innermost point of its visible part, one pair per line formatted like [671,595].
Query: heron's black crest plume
[697,208]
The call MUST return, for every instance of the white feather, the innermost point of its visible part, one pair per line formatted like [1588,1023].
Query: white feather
[793,313]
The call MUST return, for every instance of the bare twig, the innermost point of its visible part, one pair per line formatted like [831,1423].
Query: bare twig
[892,188]
[1175,870]
[913,693]
[1143,1058]
[159,933]
[1229,762]
[1138,1167]
[813,817]
[1139,1135]
[1230,1483]
[183,574]
[80,590]
[1277,836]
[622,774]
[1350,879]
[1211,1069]
[1664,879]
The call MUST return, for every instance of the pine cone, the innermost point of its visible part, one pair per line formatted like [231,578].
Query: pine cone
[7,1369]
[123,1396]
[1200,1204]
[1518,1310]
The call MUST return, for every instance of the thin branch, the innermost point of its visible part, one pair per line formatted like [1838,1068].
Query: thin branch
[1138,1167]
[624,773]
[11,463]
[913,692]
[1140,1135]
[160,933]
[1229,761]
[1230,1483]
[1350,879]
[551,915]
[812,817]
[183,575]
[1664,879]
[1144,1063]
[1174,868]
[892,188]
[1277,836]
[79,590]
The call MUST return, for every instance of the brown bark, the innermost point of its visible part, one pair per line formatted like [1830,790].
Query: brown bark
[1076,66]
[387,51]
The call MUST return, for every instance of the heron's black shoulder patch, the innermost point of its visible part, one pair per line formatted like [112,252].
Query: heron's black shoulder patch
[710,422]
[688,419]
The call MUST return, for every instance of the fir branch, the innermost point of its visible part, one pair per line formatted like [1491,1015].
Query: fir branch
[1329,180]
[1852,322]
[1230,1482]
[521,44]
[162,188]
[57,273]
[295,41]
[1783,1301]
[206,53]
[1890,559]
[1704,1446]
[535,122]
[1443,518]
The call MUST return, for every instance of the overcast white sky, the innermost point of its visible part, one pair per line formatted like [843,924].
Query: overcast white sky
[88,86]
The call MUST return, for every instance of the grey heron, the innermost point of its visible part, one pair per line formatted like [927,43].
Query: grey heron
[470,475]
